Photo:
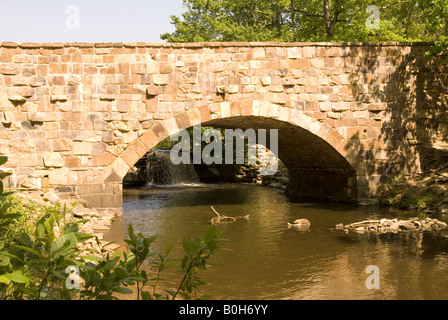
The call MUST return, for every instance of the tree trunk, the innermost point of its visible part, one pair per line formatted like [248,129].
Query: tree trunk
[329,25]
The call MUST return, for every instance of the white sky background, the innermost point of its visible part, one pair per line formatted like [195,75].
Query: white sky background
[99,20]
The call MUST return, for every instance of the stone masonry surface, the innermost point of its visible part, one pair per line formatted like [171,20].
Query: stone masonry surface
[75,117]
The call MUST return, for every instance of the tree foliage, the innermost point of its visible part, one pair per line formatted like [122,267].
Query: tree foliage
[310,20]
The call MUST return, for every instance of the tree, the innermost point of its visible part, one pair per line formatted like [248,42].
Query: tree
[310,20]
[436,22]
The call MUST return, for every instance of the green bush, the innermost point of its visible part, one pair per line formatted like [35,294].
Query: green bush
[38,263]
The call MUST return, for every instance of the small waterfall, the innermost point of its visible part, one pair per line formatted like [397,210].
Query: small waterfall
[161,171]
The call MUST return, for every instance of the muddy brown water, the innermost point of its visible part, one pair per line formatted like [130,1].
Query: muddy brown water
[268,260]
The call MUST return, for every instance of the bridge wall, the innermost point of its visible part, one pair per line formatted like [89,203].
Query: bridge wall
[75,117]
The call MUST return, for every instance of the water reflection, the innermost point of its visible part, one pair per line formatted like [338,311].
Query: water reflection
[271,261]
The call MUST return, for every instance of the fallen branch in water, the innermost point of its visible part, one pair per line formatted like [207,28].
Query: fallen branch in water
[225,219]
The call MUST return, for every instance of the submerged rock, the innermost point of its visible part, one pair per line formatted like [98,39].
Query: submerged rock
[300,224]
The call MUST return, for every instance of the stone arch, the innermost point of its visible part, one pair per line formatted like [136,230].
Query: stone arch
[116,167]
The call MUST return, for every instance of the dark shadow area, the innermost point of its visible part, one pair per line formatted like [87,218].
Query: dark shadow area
[405,95]
[314,169]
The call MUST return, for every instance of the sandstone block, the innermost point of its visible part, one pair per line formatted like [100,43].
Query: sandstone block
[103,160]
[29,160]
[61,145]
[58,97]
[53,160]
[152,90]
[259,53]
[17,98]
[165,68]
[266,81]
[51,197]
[58,176]
[9,71]
[161,79]
[82,148]
[138,68]
[28,183]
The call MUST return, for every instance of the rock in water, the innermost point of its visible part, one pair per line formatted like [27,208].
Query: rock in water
[300,224]
[393,225]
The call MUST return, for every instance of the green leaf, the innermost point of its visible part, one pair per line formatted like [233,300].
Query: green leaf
[16,277]
[63,245]
[168,248]
[210,233]
[92,257]
[32,251]
[146,295]
[83,236]
[3,160]
[4,280]
[5,256]
[109,265]
[122,290]
[70,227]
[121,272]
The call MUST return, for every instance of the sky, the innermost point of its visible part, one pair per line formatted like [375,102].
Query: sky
[87,20]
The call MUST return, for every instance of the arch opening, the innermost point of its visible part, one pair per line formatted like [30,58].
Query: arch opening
[316,169]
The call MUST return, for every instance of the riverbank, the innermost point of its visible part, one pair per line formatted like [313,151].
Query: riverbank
[35,204]
[426,192]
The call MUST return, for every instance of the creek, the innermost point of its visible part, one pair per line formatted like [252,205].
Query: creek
[268,260]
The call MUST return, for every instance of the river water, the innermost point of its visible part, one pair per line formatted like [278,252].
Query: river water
[268,260]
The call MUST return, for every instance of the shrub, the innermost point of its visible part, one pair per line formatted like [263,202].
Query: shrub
[44,261]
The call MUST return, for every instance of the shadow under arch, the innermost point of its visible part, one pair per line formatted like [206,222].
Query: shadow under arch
[316,169]
[319,159]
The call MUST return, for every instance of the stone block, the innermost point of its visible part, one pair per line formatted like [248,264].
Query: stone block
[130,156]
[82,148]
[58,176]
[258,53]
[301,63]
[130,136]
[120,166]
[20,81]
[152,90]
[123,105]
[165,68]
[29,160]
[53,160]
[98,148]
[72,162]
[90,177]
[61,145]
[102,160]
[28,182]
[108,136]
[161,79]
[149,139]
[138,68]
[294,52]
[9,71]
[51,197]
[58,97]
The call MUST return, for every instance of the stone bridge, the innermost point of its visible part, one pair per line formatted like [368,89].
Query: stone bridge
[75,117]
